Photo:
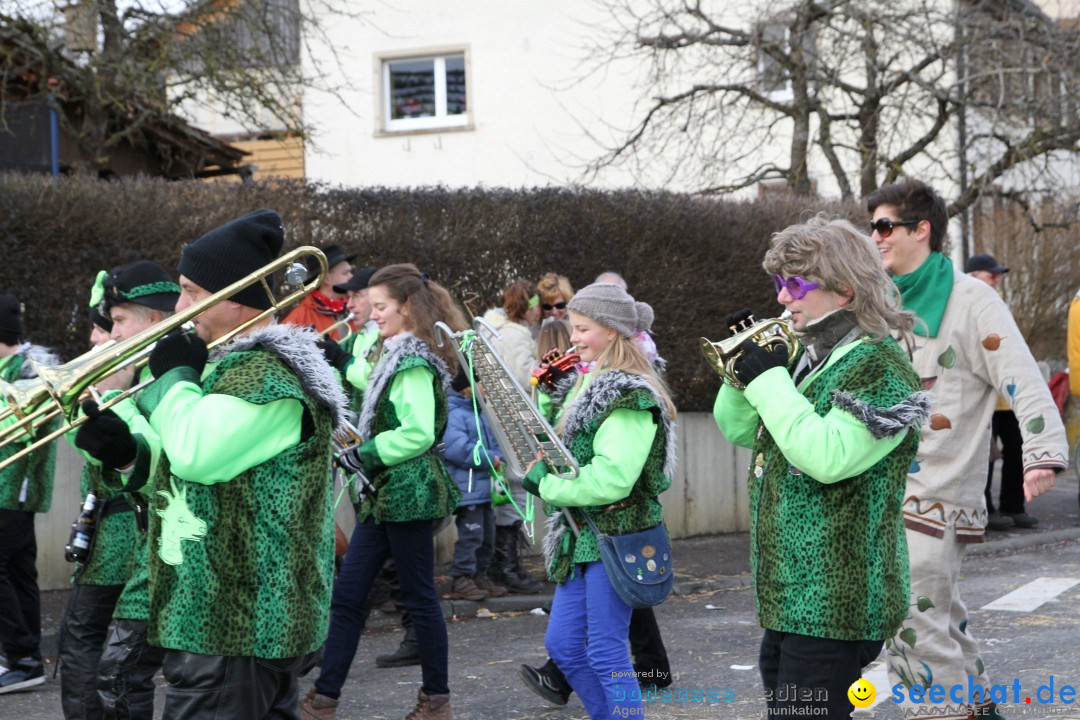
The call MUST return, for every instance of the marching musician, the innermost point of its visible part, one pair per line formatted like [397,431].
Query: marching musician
[326,306]
[242,535]
[113,581]
[832,440]
[354,357]
[403,415]
[618,421]
[25,489]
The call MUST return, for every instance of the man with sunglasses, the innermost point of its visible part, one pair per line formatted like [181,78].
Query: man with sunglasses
[832,437]
[968,351]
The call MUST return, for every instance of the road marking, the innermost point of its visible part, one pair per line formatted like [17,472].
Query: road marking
[1029,597]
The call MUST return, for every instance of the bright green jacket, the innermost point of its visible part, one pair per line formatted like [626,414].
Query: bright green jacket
[826,485]
[27,484]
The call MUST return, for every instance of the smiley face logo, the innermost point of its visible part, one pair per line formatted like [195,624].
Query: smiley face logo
[861,693]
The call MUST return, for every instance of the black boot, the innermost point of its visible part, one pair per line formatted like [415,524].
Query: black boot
[518,568]
[503,569]
[408,653]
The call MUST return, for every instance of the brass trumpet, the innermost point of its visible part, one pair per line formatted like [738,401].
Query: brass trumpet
[345,322]
[65,384]
[722,355]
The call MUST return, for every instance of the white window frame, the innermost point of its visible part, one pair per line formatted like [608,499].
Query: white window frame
[438,122]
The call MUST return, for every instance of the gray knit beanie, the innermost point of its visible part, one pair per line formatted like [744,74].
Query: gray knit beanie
[613,307]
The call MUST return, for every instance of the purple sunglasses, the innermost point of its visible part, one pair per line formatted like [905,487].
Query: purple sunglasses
[796,286]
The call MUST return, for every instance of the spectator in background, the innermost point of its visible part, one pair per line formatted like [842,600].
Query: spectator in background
[555,292]
[475,518]
[1010,509]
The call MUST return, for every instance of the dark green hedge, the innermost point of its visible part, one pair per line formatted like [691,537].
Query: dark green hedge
[693,259]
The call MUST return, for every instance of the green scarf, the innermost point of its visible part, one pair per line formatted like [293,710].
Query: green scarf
[926,291]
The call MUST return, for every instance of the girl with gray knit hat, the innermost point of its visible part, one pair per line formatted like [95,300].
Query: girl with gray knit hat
[618,421]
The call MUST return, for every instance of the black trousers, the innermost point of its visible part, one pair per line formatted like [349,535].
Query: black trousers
[20,603]
[209,687]
[1005,426]
[82,639]
[646,648]
[799,671]
[126,672]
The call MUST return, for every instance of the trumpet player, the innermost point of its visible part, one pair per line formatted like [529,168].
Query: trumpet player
[112,582]
[25,489]
[326,306]
[354,357]
[241,537]
[832,438]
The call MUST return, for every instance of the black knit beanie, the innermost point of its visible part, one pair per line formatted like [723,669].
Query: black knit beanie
[11,327]
[142,282]
[102,321]
[233,251]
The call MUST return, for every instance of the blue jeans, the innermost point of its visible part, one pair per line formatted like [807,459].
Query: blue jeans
[586,637]
[413,550]
[475,540]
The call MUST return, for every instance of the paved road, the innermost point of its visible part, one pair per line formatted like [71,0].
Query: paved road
[712,637]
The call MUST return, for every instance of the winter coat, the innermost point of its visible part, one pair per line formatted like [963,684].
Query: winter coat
[474,481]
[517,346]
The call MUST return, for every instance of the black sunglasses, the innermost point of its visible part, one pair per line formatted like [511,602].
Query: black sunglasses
[884,226]
[556,306]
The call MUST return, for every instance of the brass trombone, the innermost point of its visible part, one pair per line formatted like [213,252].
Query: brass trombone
[65,384]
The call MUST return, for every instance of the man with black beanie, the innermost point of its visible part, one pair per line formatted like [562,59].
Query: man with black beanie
[242,534]
[112,582]
[25,488]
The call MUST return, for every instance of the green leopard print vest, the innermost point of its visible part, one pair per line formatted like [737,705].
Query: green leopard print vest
[420,488]
[831,561]
[639,511]
[258,583]
[37,467]
[115,538]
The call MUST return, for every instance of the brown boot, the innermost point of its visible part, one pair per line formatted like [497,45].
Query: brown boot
[484,583]
[431,707]
[317,707]
[465,588]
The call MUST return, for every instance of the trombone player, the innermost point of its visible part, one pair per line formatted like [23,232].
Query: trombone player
[117,681]
[241,533]
[25,489]
[832,437]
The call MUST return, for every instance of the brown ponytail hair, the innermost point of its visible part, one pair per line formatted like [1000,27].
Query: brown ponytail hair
[516,300]
[424,302]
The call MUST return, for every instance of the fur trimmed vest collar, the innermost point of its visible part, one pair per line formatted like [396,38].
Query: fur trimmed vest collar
[296,347]
[394,352]
[39,354]
[606,387]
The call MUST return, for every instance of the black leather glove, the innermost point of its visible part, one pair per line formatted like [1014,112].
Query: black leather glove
[735,318]
[351,462]
[335,354]
[178,349]
[756,360]
[105,437]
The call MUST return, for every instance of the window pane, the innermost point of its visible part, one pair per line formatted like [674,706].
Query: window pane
[455,85]
[412,89]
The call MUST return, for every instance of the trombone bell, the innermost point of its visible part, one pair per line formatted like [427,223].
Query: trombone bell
[723,355]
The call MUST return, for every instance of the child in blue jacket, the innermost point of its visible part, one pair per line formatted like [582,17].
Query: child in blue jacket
[475,517]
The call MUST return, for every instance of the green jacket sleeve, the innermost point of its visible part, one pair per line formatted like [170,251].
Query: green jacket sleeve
[413,397]
[357,373]
[829,448]
[736,418]
[213,438]
[621,447]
